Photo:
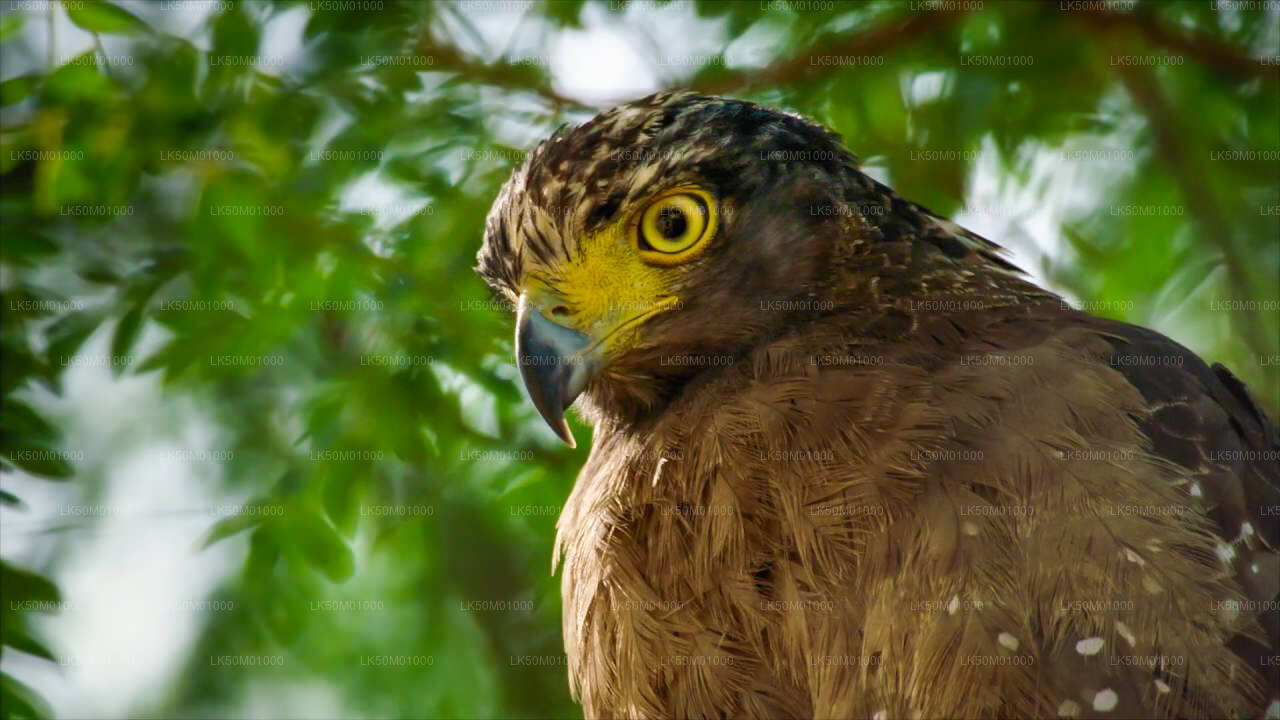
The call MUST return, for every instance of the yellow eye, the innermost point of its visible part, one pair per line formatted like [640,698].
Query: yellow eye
[676,226]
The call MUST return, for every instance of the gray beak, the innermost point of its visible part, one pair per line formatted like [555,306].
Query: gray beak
[554,363]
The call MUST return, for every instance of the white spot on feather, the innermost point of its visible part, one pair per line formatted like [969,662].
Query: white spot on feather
[1105,700]
[1133,557]
[1069,709]
[1150,585]
[953,605]
[1273,711]
[1246,529]
[1162,686]
[1090,646]
[1195,490]
[969,528]
[657,471]
[1124,632]
[1008,640]
[1226,553]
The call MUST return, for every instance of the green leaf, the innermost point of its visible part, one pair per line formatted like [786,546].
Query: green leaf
[281,613]
[22,585]
[325,550]
[13,501]
[252,516]
[20,423]
[16,89]
[66,335]
[40,460]
[10,24]
[174,358]
[103,17]
[340,503]
[21,702]
[567,13]
[17,637]
[18,365]
[125,334]
[100,273]
[234,35]
[25,248]
[227,527]
[78,81]
[264,552]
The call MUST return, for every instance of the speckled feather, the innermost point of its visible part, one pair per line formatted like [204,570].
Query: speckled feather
[922,488]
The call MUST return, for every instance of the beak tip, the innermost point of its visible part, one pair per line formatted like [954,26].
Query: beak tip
[560,426]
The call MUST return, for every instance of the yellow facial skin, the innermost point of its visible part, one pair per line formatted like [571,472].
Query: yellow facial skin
[623,274]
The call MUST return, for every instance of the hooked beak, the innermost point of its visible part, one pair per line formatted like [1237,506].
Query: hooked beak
[556,364]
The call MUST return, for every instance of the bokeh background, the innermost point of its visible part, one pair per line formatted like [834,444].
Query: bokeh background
[264,451]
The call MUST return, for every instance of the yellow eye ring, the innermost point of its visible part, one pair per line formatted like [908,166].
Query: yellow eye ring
[676,226]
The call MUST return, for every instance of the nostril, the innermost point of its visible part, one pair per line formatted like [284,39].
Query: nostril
[559,311]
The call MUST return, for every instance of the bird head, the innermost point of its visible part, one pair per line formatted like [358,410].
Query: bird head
[655,242]
[661,240]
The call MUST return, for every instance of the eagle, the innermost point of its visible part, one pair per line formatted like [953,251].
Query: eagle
[848,461]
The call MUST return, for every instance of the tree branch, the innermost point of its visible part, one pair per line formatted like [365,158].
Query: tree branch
[784,72]
[1196,193]
[1208,51]
[877,40]
[503,75]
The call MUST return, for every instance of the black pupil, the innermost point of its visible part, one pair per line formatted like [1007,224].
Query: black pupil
[672,223]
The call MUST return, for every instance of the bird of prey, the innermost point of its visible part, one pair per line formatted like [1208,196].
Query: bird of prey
[849,462]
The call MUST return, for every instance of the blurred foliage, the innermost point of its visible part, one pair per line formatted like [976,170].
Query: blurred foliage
[319,214]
